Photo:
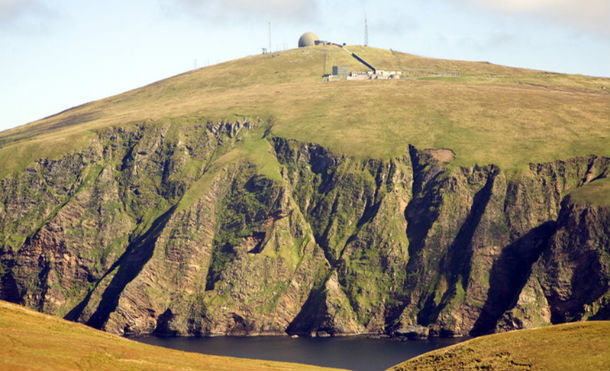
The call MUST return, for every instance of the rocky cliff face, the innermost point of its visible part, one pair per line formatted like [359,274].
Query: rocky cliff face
[221,228]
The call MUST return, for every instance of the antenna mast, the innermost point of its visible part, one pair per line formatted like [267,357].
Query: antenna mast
[269,37]
[366,32]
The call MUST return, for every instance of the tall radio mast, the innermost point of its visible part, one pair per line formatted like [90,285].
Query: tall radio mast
[366,32]
[269,37]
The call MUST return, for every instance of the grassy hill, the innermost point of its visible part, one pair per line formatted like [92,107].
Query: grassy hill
[33,341]
[486,113]
[198,205]
[574,346]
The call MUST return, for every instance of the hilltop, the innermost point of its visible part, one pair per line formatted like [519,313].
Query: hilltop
[485,113]
[251,197]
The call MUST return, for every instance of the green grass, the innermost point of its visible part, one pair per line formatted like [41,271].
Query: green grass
[572,346]
[34,341]
[596,193]
[487,114]
[250,146]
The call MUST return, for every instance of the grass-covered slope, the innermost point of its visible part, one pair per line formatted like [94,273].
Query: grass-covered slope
[575,346]
[33,341]
[485,113]
[252,198]
[594,193]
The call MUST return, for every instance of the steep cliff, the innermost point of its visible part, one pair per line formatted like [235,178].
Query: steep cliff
[209,228]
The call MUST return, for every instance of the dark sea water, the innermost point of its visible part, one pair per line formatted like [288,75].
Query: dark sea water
[353,353]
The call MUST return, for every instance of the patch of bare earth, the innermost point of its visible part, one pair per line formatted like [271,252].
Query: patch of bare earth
[442,155]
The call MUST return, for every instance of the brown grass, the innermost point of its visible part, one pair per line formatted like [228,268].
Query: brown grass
[573,346]
[33,341]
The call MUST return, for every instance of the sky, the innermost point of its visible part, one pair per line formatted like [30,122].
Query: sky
[56,54]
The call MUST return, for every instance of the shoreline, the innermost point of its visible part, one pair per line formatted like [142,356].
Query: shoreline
[368,335]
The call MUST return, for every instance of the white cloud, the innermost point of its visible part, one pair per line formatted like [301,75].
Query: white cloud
[24,16]
[10,9]
[592,15]
[274,6]
[227,9]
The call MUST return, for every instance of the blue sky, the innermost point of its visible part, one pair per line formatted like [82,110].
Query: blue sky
[61,53]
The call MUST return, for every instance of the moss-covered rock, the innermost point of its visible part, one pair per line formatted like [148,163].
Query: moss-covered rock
[197,228]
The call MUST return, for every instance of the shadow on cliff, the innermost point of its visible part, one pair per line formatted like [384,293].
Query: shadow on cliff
[461,250]
[131,263]
[9,290]
[458,261]
[313,315]
[509,275]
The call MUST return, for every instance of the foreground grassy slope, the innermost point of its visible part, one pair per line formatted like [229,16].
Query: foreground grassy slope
[33,341]
[573,346]
[485,113]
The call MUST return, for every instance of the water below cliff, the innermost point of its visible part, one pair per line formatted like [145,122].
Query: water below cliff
[353,353]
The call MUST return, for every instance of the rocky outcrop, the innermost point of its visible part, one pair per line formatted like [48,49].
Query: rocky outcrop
[413,332]
[178,229]
[569,281]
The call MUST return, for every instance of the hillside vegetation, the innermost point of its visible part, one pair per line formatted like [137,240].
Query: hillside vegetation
[575,346]
[594,193]
[33,341]
[252,198]
[485,113]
